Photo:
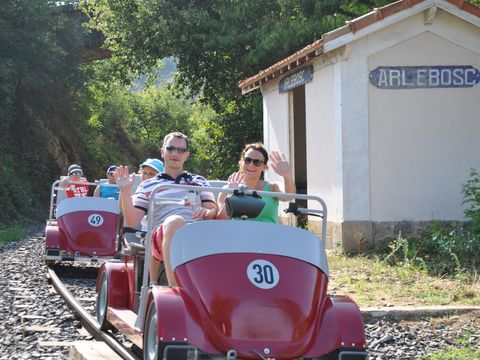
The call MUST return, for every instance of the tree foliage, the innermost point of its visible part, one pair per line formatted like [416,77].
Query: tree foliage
[45,105]
[218,43]
[140,118]
[35,58]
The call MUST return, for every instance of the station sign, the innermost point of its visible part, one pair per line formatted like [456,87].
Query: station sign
[295,80]
[424,77]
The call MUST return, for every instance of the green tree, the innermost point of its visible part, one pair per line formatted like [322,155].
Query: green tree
[36,56]
[45,105]
[218,43]
[139,118]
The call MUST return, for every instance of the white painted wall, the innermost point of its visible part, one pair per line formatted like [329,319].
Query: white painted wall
[275,124]
[324,139]
[423,142]
[275,117]
[352,114]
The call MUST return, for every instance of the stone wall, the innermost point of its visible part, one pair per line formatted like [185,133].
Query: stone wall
[362,236]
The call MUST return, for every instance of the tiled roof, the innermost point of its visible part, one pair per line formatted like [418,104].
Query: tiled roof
[316,49]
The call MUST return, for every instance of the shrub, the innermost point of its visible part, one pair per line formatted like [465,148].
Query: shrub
[452,249]
[405,253]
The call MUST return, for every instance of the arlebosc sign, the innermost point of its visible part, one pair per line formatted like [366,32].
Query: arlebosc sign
[297,79]
[421,77]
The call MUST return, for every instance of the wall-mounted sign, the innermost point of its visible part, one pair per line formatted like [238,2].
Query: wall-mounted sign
[420,77]
[299,78]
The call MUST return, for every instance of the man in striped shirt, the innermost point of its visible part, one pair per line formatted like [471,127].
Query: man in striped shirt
[172,216]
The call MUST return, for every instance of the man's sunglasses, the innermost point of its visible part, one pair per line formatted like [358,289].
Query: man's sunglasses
[111,173]
[76,173]
[255,162]
[180,150]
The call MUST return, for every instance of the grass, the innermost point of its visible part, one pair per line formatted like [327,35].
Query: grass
[11,234]
[455,354]
[372,282]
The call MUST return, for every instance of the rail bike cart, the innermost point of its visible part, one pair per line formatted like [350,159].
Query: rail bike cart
[246,290]
[80,228]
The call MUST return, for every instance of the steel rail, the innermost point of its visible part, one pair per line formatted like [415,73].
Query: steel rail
[88,321]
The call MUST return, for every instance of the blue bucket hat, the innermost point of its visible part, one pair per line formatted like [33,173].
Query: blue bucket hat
[154,164]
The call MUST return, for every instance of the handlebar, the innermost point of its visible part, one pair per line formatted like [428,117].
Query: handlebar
[294,209]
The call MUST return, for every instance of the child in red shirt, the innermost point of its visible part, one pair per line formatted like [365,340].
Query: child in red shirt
[75,173]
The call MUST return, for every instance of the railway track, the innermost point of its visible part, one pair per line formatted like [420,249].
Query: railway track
[86,318]
[37,321]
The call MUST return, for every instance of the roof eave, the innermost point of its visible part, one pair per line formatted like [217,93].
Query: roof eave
[293,61]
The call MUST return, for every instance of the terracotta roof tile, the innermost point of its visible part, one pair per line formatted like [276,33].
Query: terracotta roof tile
[300,57]
[466,6]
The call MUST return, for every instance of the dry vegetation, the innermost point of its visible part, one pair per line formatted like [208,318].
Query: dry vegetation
[371,282]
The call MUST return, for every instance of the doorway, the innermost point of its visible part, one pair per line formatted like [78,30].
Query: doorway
[299,147]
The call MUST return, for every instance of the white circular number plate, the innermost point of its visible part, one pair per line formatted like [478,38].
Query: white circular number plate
[95,220]
[263,274]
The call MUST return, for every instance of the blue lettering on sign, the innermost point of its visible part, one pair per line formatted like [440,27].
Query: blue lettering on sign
[421,77]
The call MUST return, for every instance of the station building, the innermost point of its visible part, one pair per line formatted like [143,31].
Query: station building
[381,118]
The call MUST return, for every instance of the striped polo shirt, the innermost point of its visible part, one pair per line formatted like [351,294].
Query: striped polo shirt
[163,211]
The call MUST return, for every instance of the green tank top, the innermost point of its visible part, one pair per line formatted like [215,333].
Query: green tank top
[269,212]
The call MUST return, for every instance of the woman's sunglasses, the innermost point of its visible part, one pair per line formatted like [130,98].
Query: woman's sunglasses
[180,150]
[255,162]
[76,173]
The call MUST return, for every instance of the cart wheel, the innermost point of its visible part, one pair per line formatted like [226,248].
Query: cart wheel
[150,339]
[102,304]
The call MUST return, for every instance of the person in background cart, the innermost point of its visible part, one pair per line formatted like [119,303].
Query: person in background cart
[75,174]
[109,189]
[150,168]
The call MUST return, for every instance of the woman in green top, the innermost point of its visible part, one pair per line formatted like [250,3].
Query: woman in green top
[253,163]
